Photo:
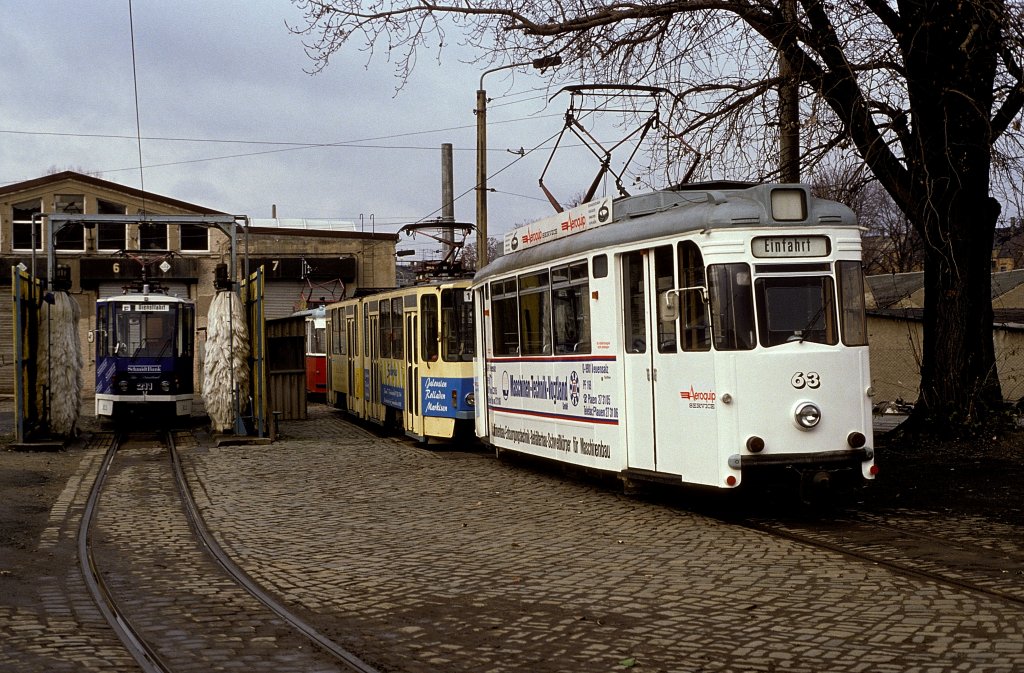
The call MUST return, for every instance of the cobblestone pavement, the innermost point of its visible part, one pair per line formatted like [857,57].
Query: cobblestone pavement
[452,561]
[440,560]
[64,631]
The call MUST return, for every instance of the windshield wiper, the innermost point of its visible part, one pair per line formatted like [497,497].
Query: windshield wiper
[811,322]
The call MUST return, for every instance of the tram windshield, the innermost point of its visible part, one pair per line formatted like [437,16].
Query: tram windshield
[457,330]
[145,330]
[796,309]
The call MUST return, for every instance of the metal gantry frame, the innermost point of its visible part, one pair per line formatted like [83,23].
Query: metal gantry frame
[229,224]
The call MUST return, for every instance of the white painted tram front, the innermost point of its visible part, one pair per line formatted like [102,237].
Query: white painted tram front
[697,335]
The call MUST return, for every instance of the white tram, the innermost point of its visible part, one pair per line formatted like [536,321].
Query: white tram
[702,335]
[404,358]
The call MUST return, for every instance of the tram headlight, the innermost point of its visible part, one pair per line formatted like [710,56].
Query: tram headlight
[165,386]
[808,415]
[123,385]
[470,400]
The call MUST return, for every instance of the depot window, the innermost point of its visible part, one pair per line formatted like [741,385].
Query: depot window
[194,237]
[21,218]
[110,235]
[152,236]
[72,234]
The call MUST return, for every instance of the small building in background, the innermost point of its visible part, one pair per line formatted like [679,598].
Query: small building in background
[302,264]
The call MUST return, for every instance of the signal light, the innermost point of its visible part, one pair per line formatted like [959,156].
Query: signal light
[730,480]
[856,440]
[755,444]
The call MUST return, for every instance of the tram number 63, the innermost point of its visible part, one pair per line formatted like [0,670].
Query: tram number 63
[805,380]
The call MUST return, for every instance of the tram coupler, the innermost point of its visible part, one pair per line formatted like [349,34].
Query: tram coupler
[815,486]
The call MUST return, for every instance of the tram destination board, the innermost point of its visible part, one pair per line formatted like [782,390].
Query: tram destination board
[790,246]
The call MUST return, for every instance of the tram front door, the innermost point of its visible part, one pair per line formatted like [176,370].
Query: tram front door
[671,425]
[412,419]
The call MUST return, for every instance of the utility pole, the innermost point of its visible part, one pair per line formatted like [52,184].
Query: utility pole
[541,64]
[481,175]
[447,198]
[789,104]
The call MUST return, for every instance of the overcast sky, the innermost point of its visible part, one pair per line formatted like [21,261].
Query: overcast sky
[230,119]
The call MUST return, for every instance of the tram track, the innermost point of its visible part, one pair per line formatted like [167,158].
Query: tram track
[166,587]
[900,548]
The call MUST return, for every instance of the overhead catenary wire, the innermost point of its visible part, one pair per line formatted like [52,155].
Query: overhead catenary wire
[138,122]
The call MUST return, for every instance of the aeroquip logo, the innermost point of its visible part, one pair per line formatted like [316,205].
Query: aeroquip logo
[699,399]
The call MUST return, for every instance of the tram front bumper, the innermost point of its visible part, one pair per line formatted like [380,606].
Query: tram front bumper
[821,458]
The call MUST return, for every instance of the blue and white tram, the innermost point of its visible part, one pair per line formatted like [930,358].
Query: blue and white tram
[145,353]
[702,335]
[404,358]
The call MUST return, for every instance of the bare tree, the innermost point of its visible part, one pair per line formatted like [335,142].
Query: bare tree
[890,242]
[495,249]
[927,93]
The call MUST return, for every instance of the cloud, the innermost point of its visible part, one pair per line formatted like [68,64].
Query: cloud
[231,120]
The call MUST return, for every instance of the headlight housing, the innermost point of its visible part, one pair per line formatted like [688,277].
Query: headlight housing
[807,415]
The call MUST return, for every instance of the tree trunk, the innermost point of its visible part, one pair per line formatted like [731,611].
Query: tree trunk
[951,64]
[959,383]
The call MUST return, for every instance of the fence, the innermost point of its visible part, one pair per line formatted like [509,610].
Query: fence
[895,342]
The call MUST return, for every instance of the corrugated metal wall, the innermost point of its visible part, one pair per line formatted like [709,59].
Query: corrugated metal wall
[7,347]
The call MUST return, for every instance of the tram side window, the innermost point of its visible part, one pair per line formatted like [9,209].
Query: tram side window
[570,308]
[534,314]
[316,339]
[385,328]
[188,331]
[504,317]
[338,332]
[798,308]
[634,302]
[396,327]
[851,290]
[457,325]
[732,307]
[366,328]
[693,305]
[664,282]
[104,335]
[428,321]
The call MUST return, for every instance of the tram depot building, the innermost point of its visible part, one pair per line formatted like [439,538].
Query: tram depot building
[303,266]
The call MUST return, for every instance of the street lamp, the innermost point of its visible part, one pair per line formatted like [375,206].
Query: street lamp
[481,151]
